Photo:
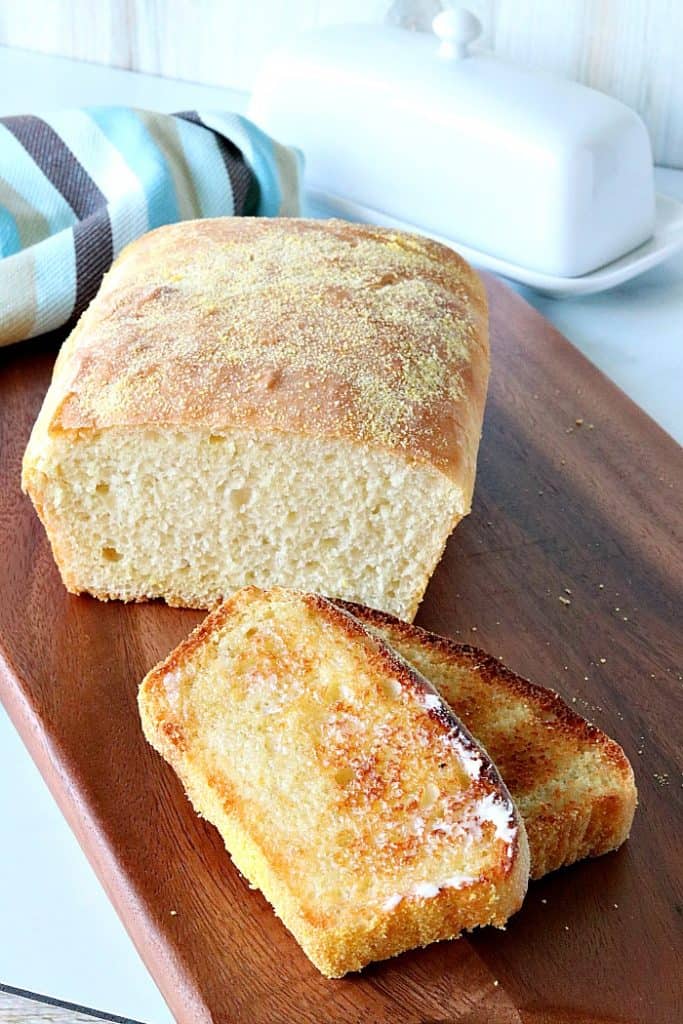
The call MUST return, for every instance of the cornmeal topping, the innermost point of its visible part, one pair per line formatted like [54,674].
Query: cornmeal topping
[313,326]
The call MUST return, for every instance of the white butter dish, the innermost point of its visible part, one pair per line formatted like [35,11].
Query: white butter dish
[666,240]
[520,167]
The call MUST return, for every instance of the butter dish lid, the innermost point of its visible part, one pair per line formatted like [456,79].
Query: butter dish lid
[528,167]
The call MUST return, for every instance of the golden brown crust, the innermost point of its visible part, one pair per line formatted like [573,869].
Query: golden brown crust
[338,943]
[316,327]
[532,756]
[415,923]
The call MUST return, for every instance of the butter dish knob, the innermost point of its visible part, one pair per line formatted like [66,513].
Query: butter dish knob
[456,28]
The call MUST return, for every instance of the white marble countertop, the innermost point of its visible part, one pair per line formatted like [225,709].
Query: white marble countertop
[60,935]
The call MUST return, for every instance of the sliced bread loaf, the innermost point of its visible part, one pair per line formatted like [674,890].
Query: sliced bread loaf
[314,388]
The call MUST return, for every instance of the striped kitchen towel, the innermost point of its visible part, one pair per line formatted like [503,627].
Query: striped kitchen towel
[78,185]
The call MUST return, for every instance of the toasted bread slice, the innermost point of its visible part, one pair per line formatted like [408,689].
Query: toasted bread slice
[573,785]
[342,784]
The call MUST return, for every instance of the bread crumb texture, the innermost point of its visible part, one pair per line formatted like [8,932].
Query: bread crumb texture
[192,515]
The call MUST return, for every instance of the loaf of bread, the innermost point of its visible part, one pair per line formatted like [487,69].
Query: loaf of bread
[573,785]
[264,401]
[343,786]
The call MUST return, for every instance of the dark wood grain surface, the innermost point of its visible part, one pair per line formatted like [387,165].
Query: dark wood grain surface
[578,496]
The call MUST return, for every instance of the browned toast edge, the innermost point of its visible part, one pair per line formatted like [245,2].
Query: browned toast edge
[557,839]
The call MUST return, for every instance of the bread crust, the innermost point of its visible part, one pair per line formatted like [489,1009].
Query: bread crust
[322,328]
[569,830]
[377,931]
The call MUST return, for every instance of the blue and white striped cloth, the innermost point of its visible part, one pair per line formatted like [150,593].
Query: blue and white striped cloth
[78,185]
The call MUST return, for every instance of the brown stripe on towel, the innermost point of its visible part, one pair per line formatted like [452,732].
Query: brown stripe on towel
[57,163]
[94,254]
[241,176]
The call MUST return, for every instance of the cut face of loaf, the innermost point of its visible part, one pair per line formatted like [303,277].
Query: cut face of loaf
[573,785]
[191,515]
[264,401]
[342,785]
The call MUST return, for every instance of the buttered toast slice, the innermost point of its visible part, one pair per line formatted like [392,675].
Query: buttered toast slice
[573,785]
[342,784]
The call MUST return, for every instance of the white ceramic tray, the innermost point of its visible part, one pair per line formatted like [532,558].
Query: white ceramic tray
[667,239]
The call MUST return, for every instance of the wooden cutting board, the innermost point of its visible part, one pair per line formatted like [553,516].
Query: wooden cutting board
[578,496]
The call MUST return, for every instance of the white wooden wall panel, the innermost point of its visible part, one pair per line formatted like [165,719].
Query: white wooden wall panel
[632,49]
